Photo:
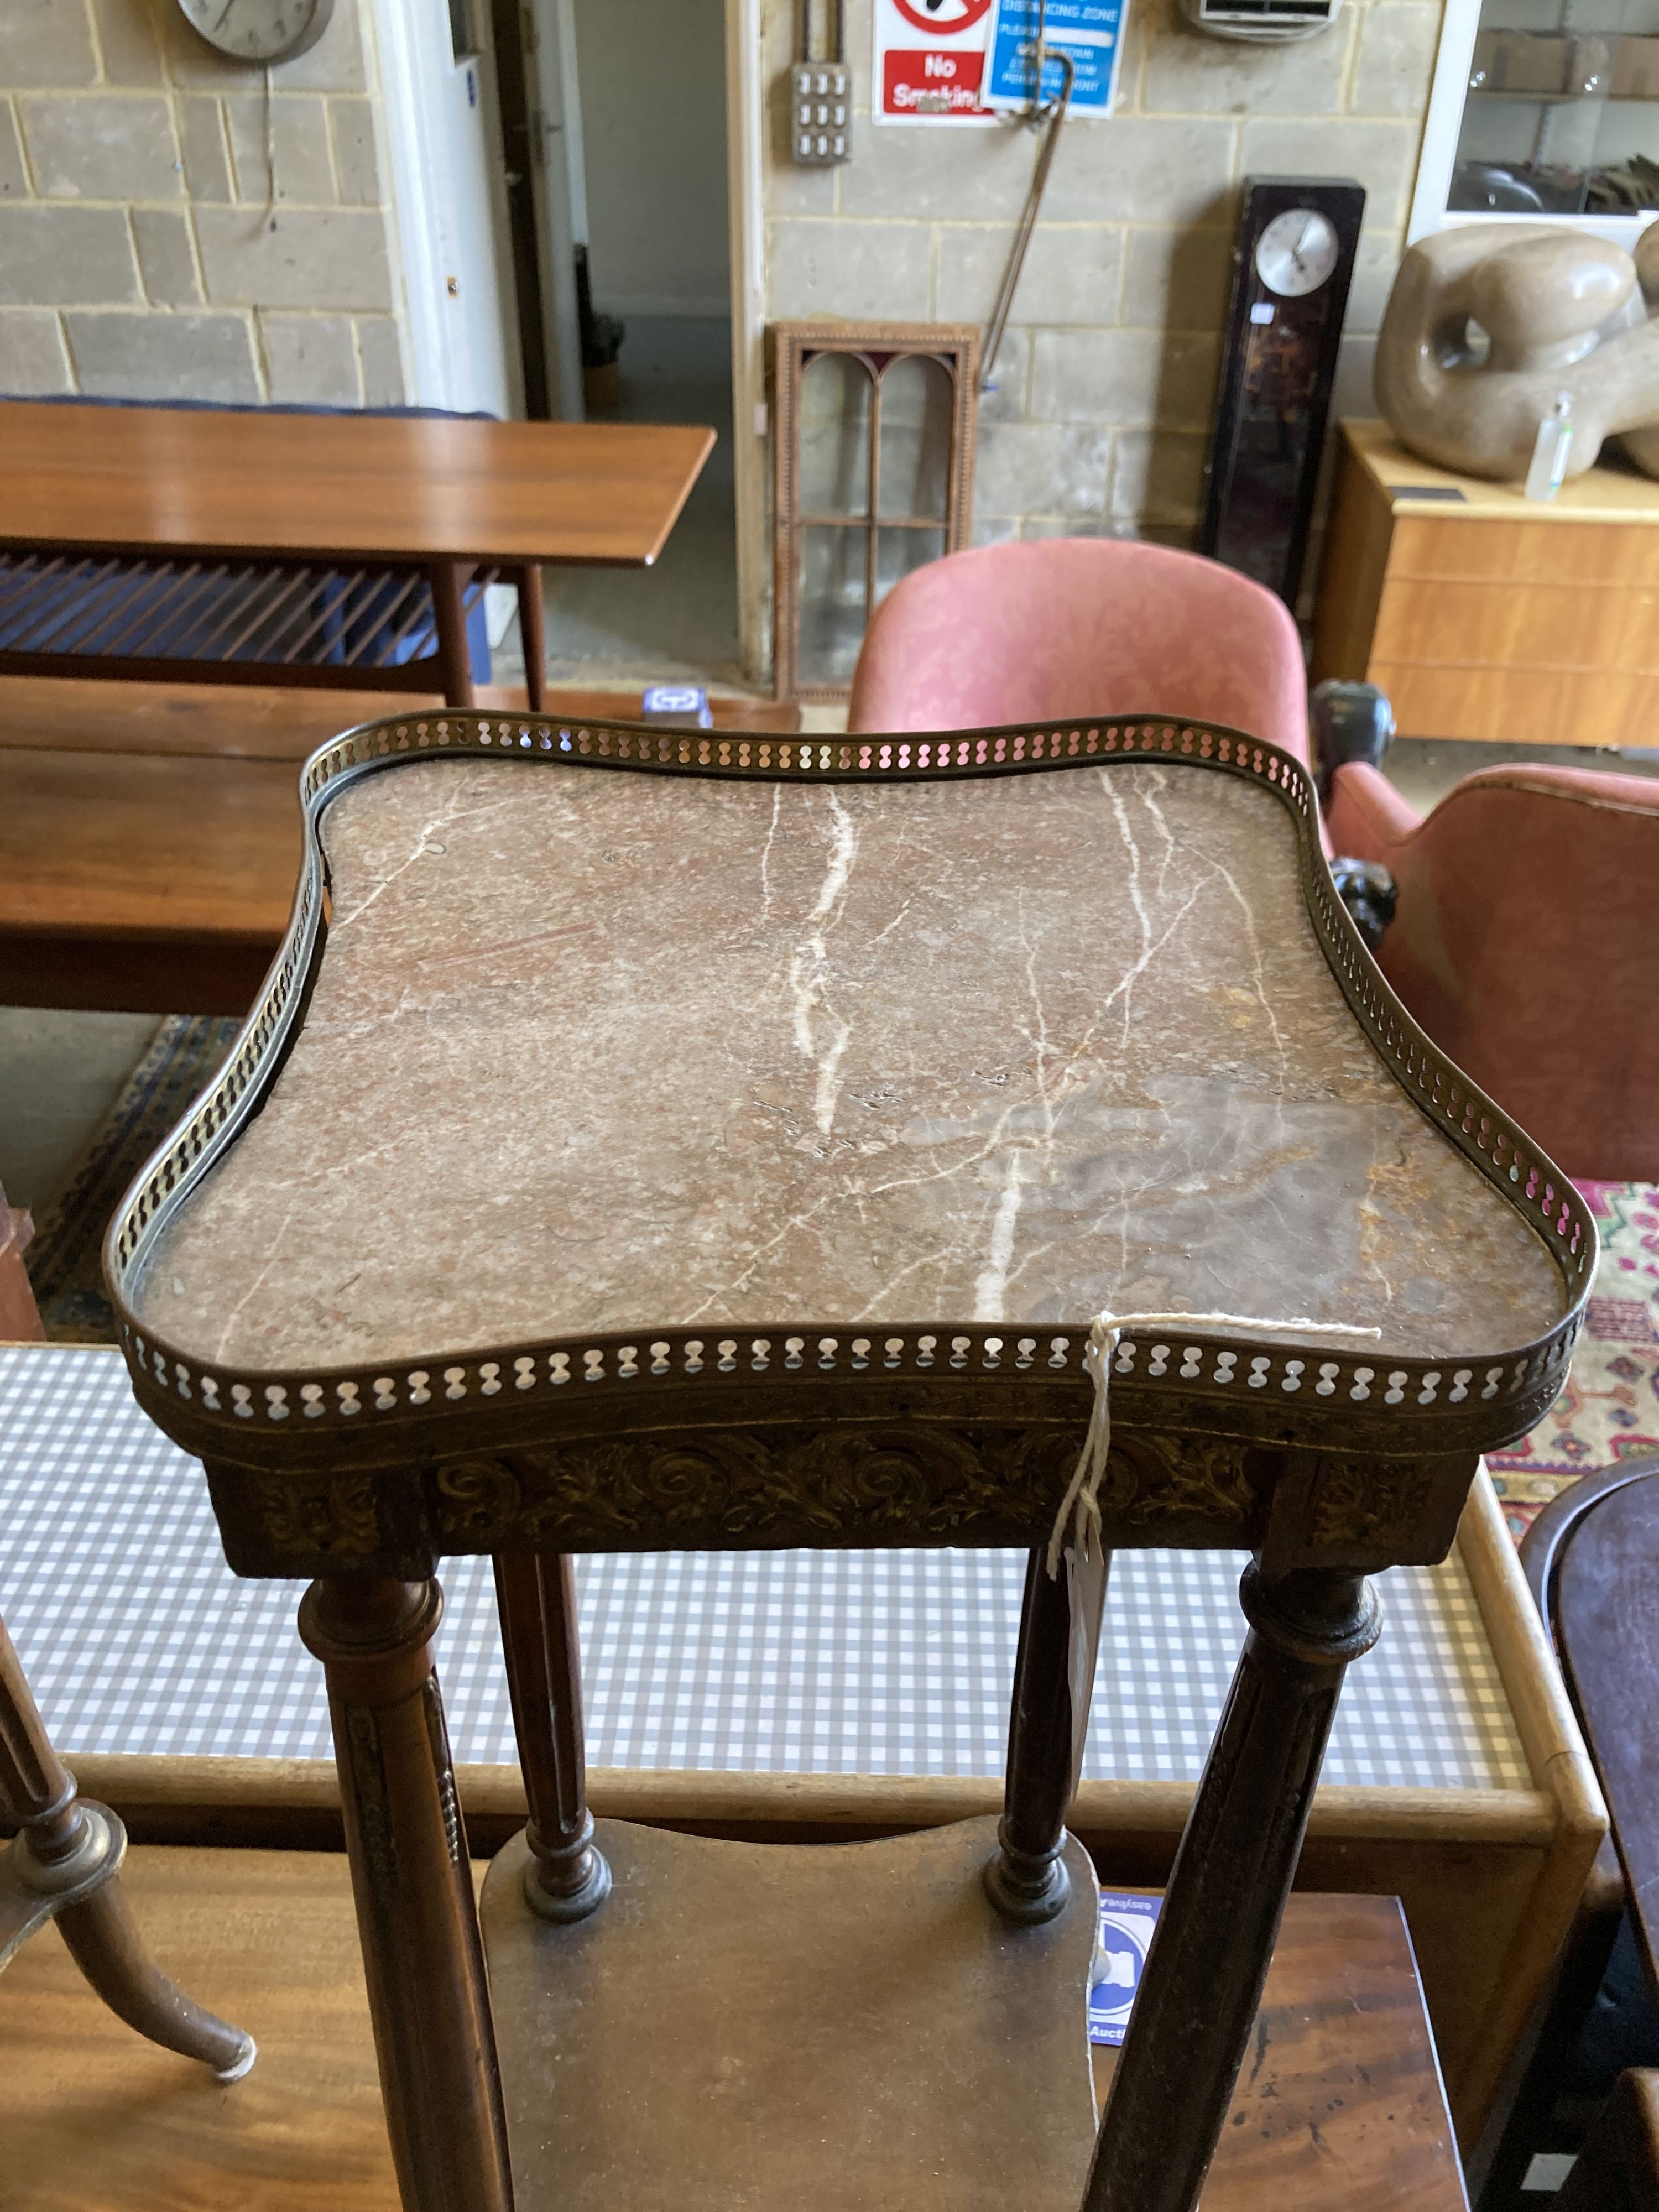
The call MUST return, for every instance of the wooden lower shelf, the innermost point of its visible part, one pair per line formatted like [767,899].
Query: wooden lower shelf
[150,833]
[1338,2104]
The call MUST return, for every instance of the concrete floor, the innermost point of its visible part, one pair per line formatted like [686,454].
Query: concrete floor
[678,622]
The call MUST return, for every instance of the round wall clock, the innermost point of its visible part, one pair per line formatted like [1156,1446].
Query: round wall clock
[1297,252]
[259,31]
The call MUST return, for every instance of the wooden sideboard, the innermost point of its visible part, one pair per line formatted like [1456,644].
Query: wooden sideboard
[1486,614]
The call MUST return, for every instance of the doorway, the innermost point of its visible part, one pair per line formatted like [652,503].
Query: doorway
[635,187]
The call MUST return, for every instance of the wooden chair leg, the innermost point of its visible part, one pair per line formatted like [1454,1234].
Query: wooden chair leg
[532,632]
[448,581]
[567,1878]
[1053,1674]
[65,1865]
[1202,1984]
[412,1880]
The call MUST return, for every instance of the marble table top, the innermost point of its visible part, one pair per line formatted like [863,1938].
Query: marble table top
[591,1050]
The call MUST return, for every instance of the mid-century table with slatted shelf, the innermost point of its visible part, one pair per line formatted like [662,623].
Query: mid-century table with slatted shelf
[260,545]
[652,1140]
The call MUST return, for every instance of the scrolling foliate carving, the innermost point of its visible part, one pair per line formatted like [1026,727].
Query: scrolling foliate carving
[313,1515]
[1359,1501]
[1159,1478]
[912,1482]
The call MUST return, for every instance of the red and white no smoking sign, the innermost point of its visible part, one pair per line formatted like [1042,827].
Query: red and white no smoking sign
[930,60]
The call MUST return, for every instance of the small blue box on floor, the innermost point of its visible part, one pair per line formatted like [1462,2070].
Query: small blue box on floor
[677,706]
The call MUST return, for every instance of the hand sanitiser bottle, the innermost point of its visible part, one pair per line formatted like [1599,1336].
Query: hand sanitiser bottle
[1549,455]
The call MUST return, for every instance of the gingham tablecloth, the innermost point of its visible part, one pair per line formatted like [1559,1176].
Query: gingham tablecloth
[138,1639]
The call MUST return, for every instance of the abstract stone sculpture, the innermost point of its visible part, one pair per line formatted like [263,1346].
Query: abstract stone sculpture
[1560,311]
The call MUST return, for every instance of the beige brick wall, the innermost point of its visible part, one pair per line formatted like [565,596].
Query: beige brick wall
[1106,381]
[155,243]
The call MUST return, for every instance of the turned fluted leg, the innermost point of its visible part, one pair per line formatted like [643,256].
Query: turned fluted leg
[413,1883]
[1202,1984]
[65,1865]
[567,1877]
[1053,1675]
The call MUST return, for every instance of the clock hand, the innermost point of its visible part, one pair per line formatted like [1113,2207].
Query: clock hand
[224,16]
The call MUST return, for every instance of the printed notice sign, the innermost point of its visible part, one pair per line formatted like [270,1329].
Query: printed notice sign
[930,61]
[1089,33]
[1127,1922]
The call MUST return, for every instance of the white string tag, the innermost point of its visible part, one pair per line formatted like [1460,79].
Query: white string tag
[1080,1507]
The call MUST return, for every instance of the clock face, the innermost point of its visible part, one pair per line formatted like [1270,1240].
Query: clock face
[259,30]
[1296,253]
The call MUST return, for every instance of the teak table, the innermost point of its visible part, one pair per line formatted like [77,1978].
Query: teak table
[656,1141]
[264,547]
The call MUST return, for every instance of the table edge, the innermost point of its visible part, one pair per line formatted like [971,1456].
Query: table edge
[1281,1389]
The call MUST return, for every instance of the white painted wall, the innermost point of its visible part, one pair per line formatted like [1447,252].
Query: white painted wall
[653,138]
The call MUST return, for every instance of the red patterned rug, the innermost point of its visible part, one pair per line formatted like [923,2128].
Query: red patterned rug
[1609,1410]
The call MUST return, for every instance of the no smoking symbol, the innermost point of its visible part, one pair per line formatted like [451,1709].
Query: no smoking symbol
[943,17]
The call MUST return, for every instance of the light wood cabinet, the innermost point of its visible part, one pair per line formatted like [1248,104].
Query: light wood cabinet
[1486,614]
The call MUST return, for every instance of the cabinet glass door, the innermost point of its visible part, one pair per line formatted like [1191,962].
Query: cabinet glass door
[1561,115]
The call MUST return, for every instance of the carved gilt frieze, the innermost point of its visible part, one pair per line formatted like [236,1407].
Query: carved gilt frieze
[909,1483]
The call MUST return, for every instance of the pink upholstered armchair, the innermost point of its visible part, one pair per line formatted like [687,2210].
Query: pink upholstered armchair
[1526,941]
[1060,627]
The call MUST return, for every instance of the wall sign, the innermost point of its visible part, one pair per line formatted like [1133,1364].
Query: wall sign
[930,61]
[1090,32]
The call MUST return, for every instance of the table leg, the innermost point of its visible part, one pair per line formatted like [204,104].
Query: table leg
[1202,1984]
[566,1879]
[1053,1674]
[533,633]
[67,1849]
[413,1883]
[448,580]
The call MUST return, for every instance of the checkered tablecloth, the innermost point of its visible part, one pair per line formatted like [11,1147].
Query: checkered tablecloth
[136,1638]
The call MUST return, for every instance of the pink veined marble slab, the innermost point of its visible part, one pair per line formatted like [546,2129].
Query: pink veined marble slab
[594,1050]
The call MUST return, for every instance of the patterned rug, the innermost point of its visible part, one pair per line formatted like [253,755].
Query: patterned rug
[65,1261]
[1609,1410]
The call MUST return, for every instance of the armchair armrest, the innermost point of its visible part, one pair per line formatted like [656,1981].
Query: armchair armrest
[1366,819]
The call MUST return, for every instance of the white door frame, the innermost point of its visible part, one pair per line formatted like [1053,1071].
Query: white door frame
[436,373]
[419,79]
[745,118]
[555,135]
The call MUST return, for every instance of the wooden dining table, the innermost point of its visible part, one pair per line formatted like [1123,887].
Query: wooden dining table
[335,550]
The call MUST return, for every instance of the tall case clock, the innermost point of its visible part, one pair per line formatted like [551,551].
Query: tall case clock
[1292,269]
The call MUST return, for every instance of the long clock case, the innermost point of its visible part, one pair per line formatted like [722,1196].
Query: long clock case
[1278,367]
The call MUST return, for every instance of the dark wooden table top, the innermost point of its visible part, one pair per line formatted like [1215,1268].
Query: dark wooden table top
[1606,1618]
[366,487]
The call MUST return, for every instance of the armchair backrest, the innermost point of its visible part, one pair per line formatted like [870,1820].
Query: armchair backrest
[1058,627]
[1526,943]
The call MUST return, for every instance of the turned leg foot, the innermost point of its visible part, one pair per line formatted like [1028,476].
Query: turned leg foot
[64,1864]
[567,1877]
[1053,1672]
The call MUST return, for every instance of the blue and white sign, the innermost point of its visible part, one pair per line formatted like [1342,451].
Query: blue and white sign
[1089,33]
[1127,1922]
